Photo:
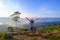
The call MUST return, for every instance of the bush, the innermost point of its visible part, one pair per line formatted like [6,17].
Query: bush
[4,35]
[0,35]
[14,33]
[10,29]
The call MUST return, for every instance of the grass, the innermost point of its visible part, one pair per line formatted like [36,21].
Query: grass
[49,33]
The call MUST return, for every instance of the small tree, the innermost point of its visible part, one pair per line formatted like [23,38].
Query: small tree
[10,29]
[15,17]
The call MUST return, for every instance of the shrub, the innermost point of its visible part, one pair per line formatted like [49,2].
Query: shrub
[0,35]
[10,29]
[4,35]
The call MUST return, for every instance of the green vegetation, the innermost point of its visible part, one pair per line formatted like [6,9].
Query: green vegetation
[49,33]
[10,29]
[0,35]
[4,35]
[52,29]
[54,32]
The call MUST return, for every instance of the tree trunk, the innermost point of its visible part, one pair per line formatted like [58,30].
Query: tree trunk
[16,25]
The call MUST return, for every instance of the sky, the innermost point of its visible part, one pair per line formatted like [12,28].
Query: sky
[30,8]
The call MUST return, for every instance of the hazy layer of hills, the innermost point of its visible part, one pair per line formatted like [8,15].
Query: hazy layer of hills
[41,22]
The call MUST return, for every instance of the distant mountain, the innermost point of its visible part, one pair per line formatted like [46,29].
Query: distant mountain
[24,23]
[44,24]
[3,28]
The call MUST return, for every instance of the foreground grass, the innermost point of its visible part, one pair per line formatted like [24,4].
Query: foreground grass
[49,33]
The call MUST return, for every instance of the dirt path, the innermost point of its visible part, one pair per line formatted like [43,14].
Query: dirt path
[24,37]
